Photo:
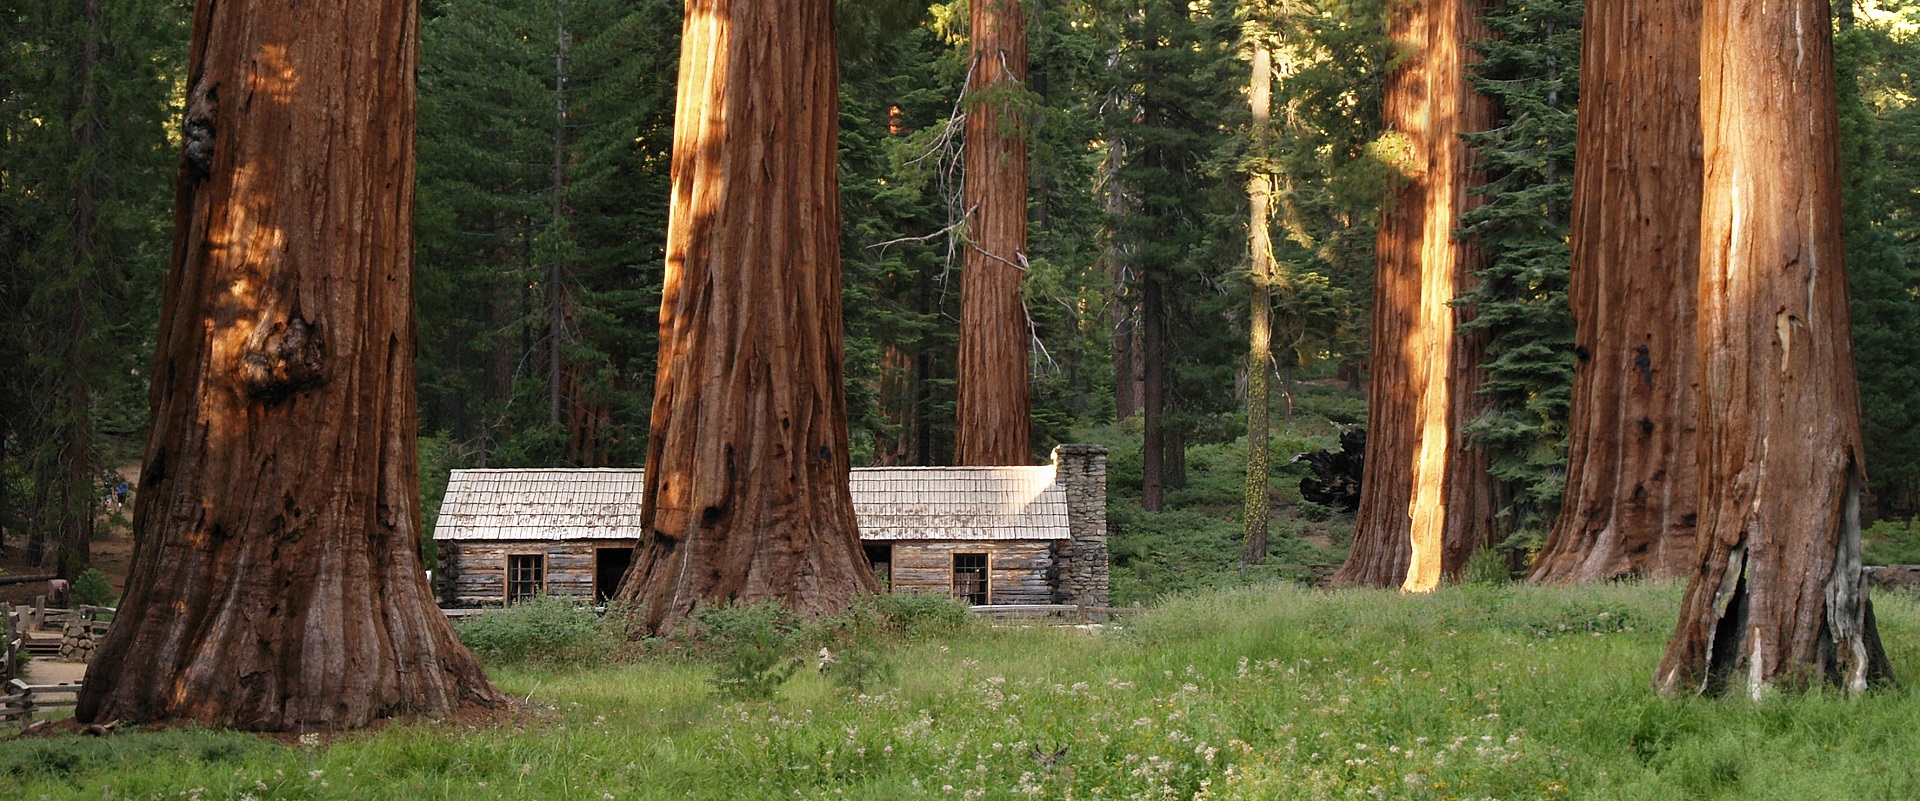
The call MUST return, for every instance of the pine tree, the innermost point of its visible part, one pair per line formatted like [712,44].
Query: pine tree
[82,215]
[514,194]
[1879,131]
[1531,70]
[1178,72]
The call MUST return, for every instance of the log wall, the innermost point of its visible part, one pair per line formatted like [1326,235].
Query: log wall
[474,572]
[1018,571]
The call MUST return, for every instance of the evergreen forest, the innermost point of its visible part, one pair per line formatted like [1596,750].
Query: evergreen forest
[545,137]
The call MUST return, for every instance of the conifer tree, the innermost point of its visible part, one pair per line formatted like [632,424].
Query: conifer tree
[1260,282]
[1427,500]
[492,233]
[994,422]
[276,582]
[1531,70]
[1878,131]
[83,121]
[1776,596]
[1631,497]
[746,496]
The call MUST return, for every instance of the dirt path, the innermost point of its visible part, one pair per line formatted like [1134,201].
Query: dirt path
[50,671]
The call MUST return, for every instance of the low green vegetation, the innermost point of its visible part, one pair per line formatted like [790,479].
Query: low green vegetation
[91,588]
[1194,542]
[540,631]
[1269,692]
[1891,542]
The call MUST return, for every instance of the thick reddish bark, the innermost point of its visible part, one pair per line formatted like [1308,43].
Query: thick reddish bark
[746,493]
[994,419]
[277,583]
[1427,501]
[1631,492]
[898,389]
[1776,596]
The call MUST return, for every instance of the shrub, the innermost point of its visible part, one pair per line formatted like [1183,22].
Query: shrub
[545,630]
[90,588]
[856,659]
[1488,566]
[1891,542]
[913,614]
[753,647]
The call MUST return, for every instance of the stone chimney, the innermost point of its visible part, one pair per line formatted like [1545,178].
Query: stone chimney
[1082,471]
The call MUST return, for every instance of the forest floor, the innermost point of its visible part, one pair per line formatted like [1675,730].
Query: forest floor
[1272,692]
[111,549]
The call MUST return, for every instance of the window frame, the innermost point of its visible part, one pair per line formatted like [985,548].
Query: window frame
[507,585]
[986,576]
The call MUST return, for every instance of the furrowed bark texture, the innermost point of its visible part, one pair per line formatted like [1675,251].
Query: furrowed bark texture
[1259,332]
[1776,596]
[1632,492]
[994,419]
[1153,394]
[277,583]
[1123,305]
[1426,500]
[746,490]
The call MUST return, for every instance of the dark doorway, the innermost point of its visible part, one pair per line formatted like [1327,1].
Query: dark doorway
[880,556]
[609,566]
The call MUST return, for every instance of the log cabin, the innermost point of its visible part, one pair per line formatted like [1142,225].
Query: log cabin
[983,535]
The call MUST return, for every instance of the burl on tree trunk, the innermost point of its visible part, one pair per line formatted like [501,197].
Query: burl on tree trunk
[1427,501]
[1632,489]
[746,496]
[993,418]
[1777,596]
[277,582]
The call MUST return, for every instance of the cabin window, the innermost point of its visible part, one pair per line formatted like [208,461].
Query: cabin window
[526,576]
[970,577]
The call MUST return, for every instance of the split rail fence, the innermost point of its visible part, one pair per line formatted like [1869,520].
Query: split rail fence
[39,631]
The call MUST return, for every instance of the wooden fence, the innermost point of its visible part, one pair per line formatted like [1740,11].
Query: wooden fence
[11,639]
[40,631]
[22,700]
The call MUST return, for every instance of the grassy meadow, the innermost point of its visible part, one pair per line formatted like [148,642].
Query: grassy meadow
[1271,692]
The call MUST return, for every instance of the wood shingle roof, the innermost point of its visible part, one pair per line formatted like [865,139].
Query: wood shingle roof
[891,503]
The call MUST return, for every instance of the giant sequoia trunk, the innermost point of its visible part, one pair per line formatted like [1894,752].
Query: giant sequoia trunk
[746,494]
[994,420]
[277,582]
[1776,596]
[1427,501]
[1631,491]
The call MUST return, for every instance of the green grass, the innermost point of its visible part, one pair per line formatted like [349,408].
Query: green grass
[1254,693]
